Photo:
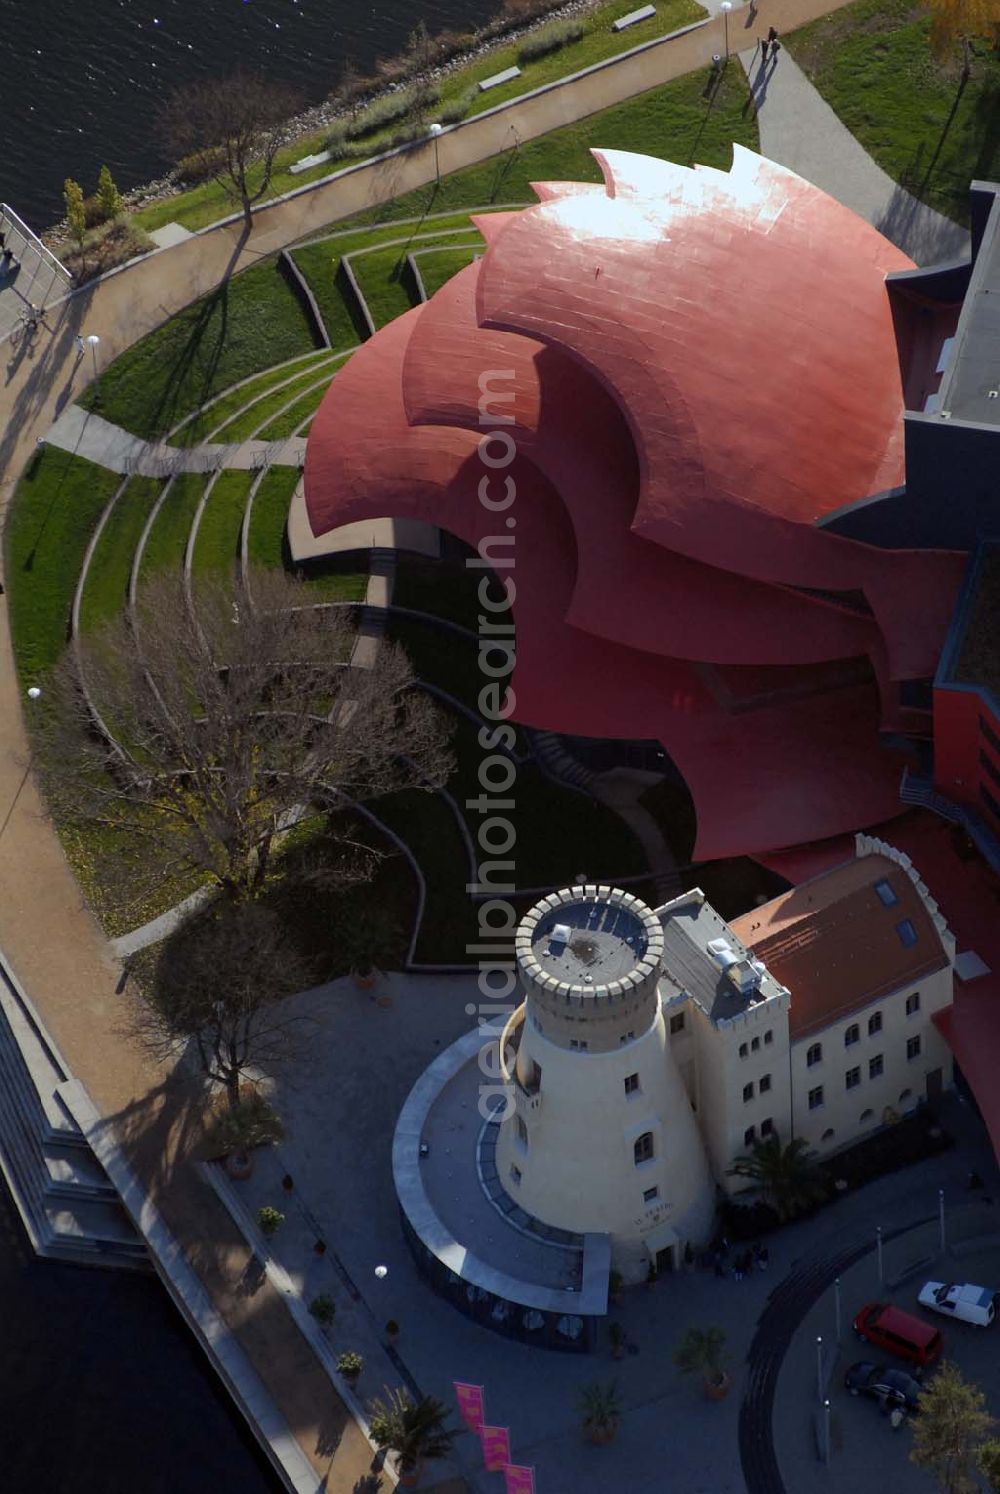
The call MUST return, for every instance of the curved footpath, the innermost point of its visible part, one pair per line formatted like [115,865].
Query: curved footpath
[53,942]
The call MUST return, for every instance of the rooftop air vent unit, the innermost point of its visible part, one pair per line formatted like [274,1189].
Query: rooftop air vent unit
[722,953]
[561,933]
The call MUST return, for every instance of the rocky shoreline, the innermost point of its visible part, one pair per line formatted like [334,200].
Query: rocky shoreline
[488,39]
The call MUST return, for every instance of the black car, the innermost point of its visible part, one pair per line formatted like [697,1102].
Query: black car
[890,1387]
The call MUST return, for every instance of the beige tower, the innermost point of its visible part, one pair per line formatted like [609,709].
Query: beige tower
[600,1136]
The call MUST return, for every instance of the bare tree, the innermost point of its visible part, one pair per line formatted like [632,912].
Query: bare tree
[218,986]
[203,732]
[957,22]
[241,119]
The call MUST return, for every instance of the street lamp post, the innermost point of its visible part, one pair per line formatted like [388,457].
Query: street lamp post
[93,343]
[836,1301]
[944,1237]
[34,693]
[435,134]
[819,1366]
[726,6]
[878,1247]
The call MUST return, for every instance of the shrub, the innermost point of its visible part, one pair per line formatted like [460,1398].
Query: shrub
[93,212]
[111,246]
[458,108]
[549,39]
[350,1365]
[407,134]
[251,1123]
[108,194]
[384,111]
[269,1219]
[323,1309]
[198,167]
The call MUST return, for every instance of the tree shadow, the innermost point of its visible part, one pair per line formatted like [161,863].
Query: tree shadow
[202,349]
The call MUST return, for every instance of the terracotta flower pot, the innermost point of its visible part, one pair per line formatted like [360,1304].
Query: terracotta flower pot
[602,1435]
[717,1390]
[364,980]
[411,1478]
[239,1165]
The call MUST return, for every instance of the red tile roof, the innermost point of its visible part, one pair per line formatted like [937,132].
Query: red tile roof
[836,945]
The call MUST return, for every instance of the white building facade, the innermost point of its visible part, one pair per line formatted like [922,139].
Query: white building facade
[652,1049]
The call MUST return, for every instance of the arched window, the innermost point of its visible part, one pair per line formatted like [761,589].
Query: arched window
[643,1148]
[866,1116]
[814,1054]
[904,1095]
[828,1134]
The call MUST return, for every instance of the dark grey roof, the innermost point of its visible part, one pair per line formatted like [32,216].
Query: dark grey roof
[690,923]
[974,370]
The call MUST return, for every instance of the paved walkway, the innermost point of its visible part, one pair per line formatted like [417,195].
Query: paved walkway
[799,130]
[88,435]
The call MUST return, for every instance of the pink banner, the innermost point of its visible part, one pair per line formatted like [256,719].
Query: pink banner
[470,1404]
[496,1448]
[519,1480]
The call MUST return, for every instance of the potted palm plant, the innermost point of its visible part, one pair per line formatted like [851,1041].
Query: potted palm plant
[235,1132]
[702,1352]
[370,937]
[601,1407]
[413,1431]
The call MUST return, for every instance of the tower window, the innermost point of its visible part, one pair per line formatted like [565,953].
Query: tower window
[521,1131]
[765,1083]
[754,1044]
[874,1023]
[814,1055]
[515,1174]
[816,1097]
[747,1092]
[744,1050]
[631,1084]
[852,1078]
[578,1043]
[650,1195]
[767,1126]
[875,1066]
[913,1047]
[768,1037]
[642,1151]
[912,1003]
[749,1136]
[676,1023]
[852,1035]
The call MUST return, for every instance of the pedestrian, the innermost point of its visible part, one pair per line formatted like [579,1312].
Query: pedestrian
[772,34]
[79,346]
[775,49]
[763,51]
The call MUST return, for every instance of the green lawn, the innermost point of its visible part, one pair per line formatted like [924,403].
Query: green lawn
[386,282]
[106,588]
[216,545]
[207,203]
[871,61]
[213,343]
[439,265]
[169,535]
[224,406]
[245,424]
[287,424]
[266,541]
[55,507]
[320,261]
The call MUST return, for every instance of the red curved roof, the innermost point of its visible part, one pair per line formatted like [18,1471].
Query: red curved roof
[699,365]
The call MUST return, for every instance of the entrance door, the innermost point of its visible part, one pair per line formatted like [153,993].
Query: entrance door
[934,1084]
[665,1259]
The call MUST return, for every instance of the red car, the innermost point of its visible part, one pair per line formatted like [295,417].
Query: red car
[898,1333]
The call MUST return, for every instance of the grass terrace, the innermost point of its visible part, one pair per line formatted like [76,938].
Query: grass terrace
[217,542]
[53,514]
[105,588]
[437,266]
[210,345]
[872,63]
[167,539]
[223,407]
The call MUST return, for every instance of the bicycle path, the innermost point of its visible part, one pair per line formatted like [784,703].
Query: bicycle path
[89,435]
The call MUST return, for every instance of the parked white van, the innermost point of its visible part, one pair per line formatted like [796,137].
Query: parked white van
[968,1303]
